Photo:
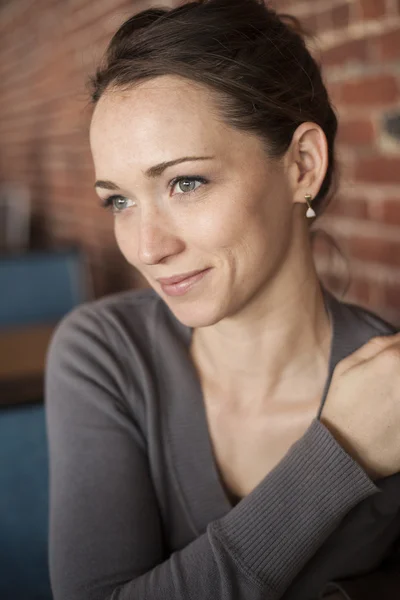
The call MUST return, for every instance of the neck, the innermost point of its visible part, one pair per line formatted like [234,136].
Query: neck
[278,345]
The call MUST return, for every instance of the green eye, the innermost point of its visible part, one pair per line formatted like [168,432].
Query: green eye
[117,203]
[187,185]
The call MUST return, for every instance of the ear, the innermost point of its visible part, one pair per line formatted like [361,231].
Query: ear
[306,161]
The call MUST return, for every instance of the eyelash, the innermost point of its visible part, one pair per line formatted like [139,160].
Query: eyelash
[108,202]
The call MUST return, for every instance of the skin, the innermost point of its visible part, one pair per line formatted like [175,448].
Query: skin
[261,336]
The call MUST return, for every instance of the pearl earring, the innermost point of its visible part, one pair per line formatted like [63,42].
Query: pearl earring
[310,211]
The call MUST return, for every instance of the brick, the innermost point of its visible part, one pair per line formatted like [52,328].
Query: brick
[391,211]
[309,24]
[387,45]
[375,250]
[372,9]
[351,51]
[334,283]
[320,245]
[360,290]
[380,89]
[341,16]
[380,169]
[337,17]
[334,91]
[356,132]
[284,5]
[350,207]
[392,296]
[334,18]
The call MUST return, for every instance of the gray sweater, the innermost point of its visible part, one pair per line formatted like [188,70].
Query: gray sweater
[138,511]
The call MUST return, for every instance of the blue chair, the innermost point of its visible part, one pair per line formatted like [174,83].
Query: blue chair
[23,504]
[34,288]
[41,286]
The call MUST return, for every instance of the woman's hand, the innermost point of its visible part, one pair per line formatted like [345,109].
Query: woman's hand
[362,408]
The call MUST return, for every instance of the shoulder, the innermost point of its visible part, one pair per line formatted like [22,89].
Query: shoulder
[355,325]
[102,357]
[130,307]
[121,328]
[365,320]
[98,320]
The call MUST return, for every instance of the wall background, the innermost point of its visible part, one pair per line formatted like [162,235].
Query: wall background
[49,47]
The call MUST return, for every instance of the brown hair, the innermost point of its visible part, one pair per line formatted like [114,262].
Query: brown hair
[257,64]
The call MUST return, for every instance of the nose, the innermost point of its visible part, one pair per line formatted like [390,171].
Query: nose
[157,240]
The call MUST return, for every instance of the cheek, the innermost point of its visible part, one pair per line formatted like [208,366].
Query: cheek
[255,234]
[210,230]
[221,220]
[234,223]
[126,239]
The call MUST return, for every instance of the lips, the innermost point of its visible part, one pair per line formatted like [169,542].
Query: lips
[180,285]
[178,278]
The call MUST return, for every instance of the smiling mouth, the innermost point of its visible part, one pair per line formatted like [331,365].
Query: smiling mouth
[178,278]
[178,285]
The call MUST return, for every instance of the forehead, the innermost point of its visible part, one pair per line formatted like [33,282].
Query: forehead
[163,119]
[159,115]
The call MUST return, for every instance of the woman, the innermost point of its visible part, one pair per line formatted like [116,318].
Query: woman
[187,456]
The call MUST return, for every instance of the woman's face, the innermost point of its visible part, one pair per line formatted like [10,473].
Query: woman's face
[224,215]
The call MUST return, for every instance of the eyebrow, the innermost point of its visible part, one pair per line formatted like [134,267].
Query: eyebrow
[155,171]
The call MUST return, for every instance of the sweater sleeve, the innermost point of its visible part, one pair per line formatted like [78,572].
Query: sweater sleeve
[106,539]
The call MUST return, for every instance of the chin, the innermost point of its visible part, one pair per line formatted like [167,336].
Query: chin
[196,313]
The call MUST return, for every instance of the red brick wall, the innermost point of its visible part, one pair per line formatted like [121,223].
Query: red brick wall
[49,47]
[358,45]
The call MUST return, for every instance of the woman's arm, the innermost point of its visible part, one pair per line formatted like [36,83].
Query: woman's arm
[106,540]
